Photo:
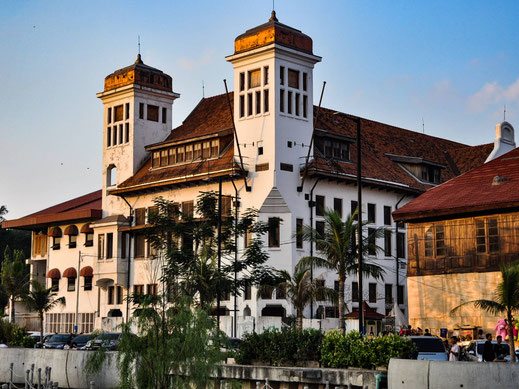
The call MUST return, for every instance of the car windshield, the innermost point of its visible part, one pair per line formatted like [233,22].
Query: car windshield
[59,338]
[504,345]
[81,338]
[108,337]
[429,345]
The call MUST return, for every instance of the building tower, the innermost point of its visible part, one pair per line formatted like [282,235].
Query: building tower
[138,102]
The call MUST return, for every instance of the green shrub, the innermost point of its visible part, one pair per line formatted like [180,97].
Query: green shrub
[341,351]
[21,338]
[280,348]
[6,331]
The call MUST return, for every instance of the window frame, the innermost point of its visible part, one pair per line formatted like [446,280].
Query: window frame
[274,232]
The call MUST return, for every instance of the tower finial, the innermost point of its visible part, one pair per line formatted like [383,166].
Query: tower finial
[139,59]
[273,17]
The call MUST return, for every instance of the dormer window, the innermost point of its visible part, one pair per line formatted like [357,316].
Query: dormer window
[431,174]
[427,172]
[180,154]
[333,149]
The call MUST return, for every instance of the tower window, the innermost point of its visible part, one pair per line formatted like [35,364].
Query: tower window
[114,135]
[242,106]
[258,102]
[153,113]
[118,113]
[282,75]
[127,133]
[305,106]
[266,100]
[111,175]
[141,110]
[242,82]
[273,232]
[108,136]
[249,104]
[305,82]
[266,75]
[121,133]
[293,78]
[109,115]
[127,111]
[164,115]
[282,100]
[289,103]
[254,78]
[298,98]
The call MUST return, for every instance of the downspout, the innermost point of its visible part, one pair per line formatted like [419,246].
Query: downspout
[237,204]
[130,219]
[397,261]
[311,205]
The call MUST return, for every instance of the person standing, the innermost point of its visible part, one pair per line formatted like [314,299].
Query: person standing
[454,352]
[427,333]
[488,350]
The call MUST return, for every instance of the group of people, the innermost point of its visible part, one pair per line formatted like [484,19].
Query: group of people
[494,352]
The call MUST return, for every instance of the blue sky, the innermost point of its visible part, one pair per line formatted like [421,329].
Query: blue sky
[454,64]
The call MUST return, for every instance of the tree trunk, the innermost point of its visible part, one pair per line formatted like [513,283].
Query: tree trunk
[511,340]
[13,310]
[40,314]
[299,320]
[341,304]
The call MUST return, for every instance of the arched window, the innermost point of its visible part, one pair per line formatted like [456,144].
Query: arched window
[111,175]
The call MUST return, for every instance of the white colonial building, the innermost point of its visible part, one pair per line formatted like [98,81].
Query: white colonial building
[95,243]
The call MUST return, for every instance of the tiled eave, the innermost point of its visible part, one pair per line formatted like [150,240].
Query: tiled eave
[39,221]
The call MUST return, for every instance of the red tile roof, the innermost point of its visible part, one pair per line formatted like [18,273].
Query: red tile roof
[81,208]
[472,192]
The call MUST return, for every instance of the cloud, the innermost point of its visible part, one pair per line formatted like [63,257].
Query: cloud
[493,93]
[193,63]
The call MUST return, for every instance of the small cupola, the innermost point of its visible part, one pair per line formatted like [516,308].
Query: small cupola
[504,141]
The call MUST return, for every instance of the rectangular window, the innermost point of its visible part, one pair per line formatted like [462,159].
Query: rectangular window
[101,246]
[114,141]
[258,102]
[187,208]
[89,239]
[247,238]
[328,149]
[109,245]
[305,106]
[429,241]
[387,215]
[206,150]
[141,110]
[249,104]
[354,206]
[126,132]
[189,153]
[138,290]
[124,239]
[337,206]
[71,284]
[293,78]
[273,232]
[372,250]
[305,81]
[289,102]
[481,245]
[172,156]
[139,246]
[242,82]
[198,151]
[371,213]
[152,113]
[387,243]
[389,293]
[247,295]
[282,75]
[55,284]
[265,75]
[440,241]
[266,100]
[164,115]
[319,228]
[226,205]
[155,160]
[214,148]
[400,294]
[109,116]
[242,106]
[127,111]
[282,100]
[56,243]
[72,241]
[254,78]
[140,216]
[164,158]
[119,295]
[151,289]
[493,236]
[400,245]
[298,98]
[319,203]
[118,113]
[108,136]
[281,293]
[355,292]
[266,294]
[336,286]
[180,154]
[88,283]
[372,292]
[121,133]
[299,233]
[110,295]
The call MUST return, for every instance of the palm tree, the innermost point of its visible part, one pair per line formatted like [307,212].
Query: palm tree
[41,300]
[506,300]
[14,277]
[337,246]
[300,289]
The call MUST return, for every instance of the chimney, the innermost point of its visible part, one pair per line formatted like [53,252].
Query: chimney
[504,141]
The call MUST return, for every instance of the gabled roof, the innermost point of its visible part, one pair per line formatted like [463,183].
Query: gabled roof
[82,208]
[493,186]
[274,203]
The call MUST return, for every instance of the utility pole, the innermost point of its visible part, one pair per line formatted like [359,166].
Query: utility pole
[219,291]
[359,227]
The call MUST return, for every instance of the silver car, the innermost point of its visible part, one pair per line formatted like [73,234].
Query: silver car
[475,350]
[430,348]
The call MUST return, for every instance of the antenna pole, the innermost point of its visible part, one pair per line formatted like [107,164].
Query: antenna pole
[504,113]
[139,42]
[203,89]
[423,126]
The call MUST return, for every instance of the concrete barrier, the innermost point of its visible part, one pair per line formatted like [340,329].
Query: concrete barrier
[68,367]
[409,374]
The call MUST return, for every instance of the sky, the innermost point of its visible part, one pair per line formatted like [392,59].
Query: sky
[444,67]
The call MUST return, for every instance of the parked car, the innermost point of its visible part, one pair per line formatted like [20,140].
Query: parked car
[108,340]
[46,337]
[58,341]
[79,342]
[474,351]
[430,348]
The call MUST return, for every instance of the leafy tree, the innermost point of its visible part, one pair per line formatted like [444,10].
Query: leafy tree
[506,300]
[300,289]
[14,277]
[338,249]
[42,300]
